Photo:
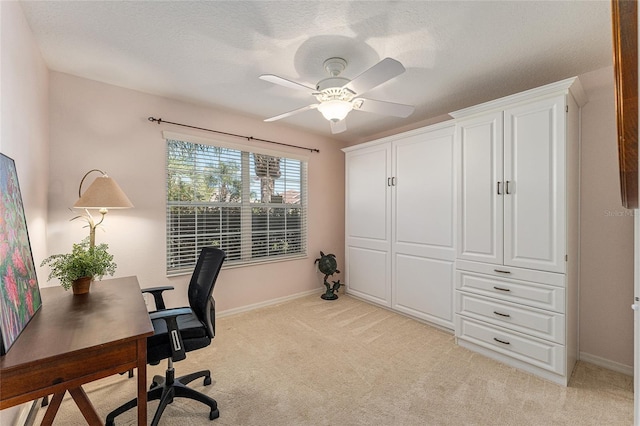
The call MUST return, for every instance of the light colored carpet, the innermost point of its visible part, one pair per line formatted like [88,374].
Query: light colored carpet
[346,362]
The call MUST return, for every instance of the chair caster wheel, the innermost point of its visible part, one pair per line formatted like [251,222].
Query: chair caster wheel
[207,381]
[214,414]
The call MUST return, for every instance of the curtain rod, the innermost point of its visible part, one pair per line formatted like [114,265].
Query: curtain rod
[249,138]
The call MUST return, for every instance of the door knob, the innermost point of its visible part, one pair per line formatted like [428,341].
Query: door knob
[635,307]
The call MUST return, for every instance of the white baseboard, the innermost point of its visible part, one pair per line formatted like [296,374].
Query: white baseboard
[270,302]
[605,363]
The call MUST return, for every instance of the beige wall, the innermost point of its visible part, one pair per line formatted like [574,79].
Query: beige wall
[24,118]
[24,132]
[95,125]
[606,273]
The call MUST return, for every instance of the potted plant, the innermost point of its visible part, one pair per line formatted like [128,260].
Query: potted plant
[77,269]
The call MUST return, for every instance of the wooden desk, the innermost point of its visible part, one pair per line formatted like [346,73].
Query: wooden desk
[74,340]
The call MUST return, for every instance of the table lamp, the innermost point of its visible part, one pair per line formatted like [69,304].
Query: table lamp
[103,194]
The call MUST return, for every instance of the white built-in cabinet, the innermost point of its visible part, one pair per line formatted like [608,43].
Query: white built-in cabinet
[512,192]
[517,251]
[400,222]
[472,225]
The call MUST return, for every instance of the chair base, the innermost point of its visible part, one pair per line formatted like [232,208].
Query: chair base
[165,389]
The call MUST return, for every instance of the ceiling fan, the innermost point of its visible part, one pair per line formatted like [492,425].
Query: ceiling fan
[337,96]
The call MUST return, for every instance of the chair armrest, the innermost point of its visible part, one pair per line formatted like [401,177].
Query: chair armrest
[157,295]
[175,338]
[170,313]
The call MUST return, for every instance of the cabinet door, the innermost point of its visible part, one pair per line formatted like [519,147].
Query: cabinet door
[368,223]
[480,203]
[535,172]
[423,225]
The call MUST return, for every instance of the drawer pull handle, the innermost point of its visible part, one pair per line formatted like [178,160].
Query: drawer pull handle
[501,314]
[501,341]
[501,271]
[501,289]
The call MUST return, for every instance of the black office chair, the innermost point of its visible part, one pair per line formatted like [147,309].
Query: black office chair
[180,330]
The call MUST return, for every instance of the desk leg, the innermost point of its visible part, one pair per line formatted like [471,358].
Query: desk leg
[52,410]
[142,381]
[86,407]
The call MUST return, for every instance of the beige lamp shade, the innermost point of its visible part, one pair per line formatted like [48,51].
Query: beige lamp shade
[103,193]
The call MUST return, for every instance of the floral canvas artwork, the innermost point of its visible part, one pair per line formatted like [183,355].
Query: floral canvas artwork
[19,290]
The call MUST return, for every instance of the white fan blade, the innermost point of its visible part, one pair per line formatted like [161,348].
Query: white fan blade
[384,70]
[383,107]
[286,83]
[338,126]
[290,113]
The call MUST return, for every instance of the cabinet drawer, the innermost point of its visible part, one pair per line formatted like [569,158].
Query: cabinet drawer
[509,272]
[540,353]
[533,322]
[524,292]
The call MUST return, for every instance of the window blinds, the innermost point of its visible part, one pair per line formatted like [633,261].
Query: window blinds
[251,205]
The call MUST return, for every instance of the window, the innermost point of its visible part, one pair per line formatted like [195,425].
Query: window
[250,204]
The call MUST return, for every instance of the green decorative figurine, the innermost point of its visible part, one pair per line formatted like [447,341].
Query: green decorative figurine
[328,266]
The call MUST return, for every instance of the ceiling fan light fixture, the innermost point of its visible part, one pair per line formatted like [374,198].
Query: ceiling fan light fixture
[335,110]
[337,96]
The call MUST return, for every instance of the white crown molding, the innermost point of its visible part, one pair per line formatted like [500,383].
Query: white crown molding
[570,85]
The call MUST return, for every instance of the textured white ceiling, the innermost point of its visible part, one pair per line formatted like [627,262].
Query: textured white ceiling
[457,53]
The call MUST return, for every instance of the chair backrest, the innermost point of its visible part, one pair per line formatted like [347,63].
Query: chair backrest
[201,286]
